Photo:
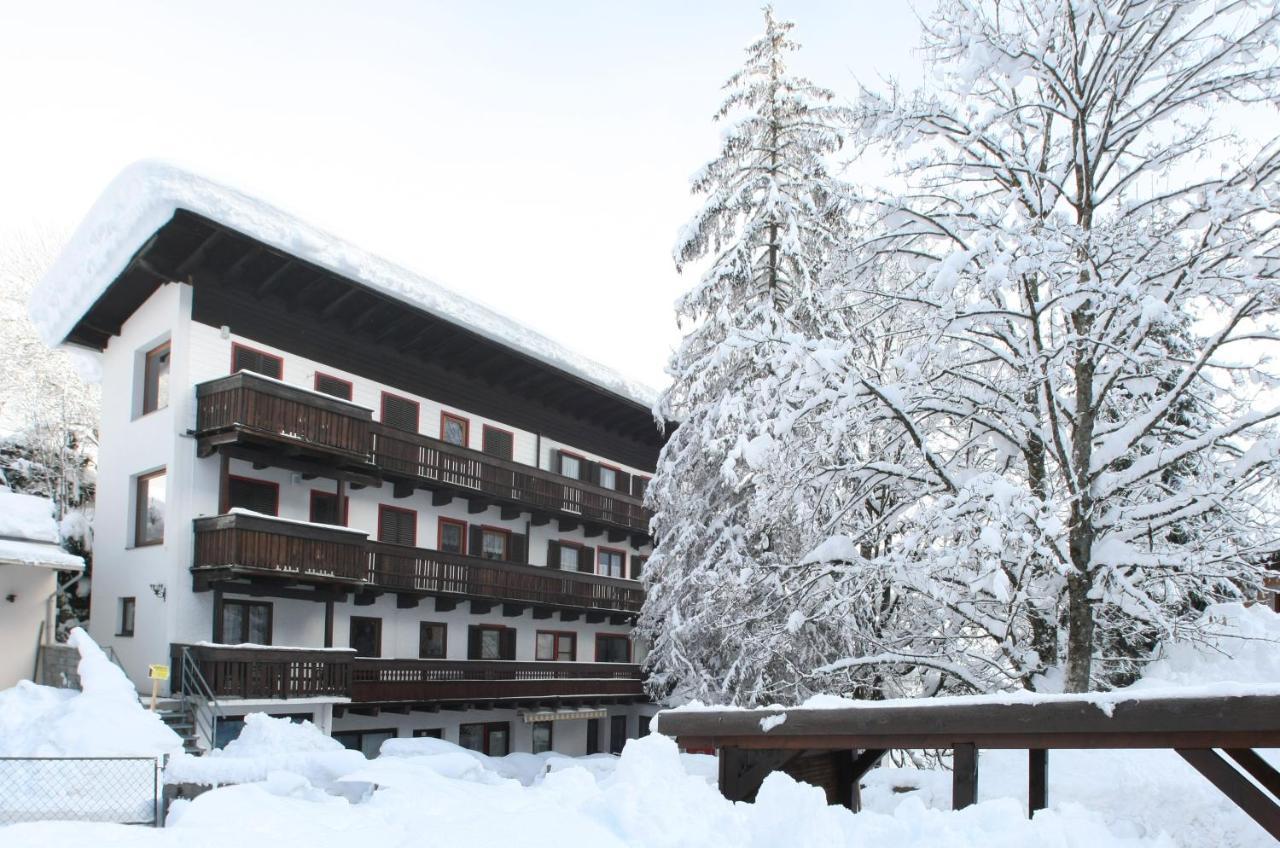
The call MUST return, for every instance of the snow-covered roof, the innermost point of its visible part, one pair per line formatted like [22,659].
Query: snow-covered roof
[29,533]
[145,196]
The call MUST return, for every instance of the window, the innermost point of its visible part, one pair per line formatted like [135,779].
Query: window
[148,525]
[432,640]
[455,429]
[493,738]
[617,733]
[428,733]
[637,566]
[451,536]
[366,636]
[487,642]
[542,737]
[494,543]
[608,477]
[245,621]
[397,526]
[324,508]
[155,379]
[247,359]
[256,495]
[556,645]
[335,386]
[593,736]
[367,742]
[499,443]
[638,486]
[128,606]
[644,726]
[400,412]
[613,648]
[611,563]
[570,466]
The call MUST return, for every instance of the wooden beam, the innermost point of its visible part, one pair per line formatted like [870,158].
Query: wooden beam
[596,617]
[476,505]
[510,513]
[446,604]
[339,302]
[615,535]
[591,530]
[568,525]
[569,615]
[328,624]
[512,610]
[401,490]
[742,771]
[964,775]
[441,498]
[481,607]
[860,762]
[542,613]
[1248,797]
[1262,771]
[273,279]
[404,601]
[539,519]
[1037,780]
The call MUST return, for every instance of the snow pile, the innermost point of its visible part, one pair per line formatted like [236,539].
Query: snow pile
[1246,656]
[29,533]
[144,197]
[267,745]
[104,719]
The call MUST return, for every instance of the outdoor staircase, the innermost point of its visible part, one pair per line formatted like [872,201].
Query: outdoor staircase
[178,715]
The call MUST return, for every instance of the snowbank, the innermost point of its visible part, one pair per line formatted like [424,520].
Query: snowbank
[267,745]
[144,197]
[29,533]
[104,719]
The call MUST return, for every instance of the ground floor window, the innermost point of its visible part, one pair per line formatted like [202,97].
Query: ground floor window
[429,733]
[617,733]
[644,726]
[593,736]
[492,738]
[227,729]
[367,742]
[542,736]
[613,648]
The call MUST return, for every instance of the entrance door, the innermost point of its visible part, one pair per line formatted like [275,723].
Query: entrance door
[366,636]
[617,733]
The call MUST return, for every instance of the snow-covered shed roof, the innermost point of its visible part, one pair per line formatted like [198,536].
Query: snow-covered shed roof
[29,533]
[146,195]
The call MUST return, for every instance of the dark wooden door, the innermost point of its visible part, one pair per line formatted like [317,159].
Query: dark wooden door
[366,636]
[617,733]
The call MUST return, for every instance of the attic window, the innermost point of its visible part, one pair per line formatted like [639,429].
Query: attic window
[399,412]
[333,386]
[247,359]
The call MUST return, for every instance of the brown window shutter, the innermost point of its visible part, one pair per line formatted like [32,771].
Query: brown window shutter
[476,547]
[507,644]
[557,464]
[399,412]
[553,554]
[473,642]
[333,386]
[587,559]
[589,471]
[498,443]
[518,550]
[624,482]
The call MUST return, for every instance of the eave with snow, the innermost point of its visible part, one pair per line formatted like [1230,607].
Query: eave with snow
[286,283]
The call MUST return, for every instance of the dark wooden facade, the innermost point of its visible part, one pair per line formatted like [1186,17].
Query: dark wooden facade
[277,423]
[264,672]
[240,546]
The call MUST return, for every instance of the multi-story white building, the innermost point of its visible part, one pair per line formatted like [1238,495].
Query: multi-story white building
[340,492]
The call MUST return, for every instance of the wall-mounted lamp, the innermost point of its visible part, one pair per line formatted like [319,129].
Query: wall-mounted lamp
[224,331]
[159,590]
[11,598]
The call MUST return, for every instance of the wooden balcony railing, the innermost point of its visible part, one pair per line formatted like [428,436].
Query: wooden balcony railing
[249,402]
[396,567]
[241,671]
[385,680]
[247,542]
[251,542]
[431,460]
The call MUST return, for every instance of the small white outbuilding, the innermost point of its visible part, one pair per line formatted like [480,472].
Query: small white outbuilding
[30,559]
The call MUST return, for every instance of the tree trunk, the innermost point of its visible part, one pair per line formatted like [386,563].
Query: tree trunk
[1079,632]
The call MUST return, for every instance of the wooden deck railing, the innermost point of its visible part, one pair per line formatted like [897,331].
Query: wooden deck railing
[423,458]
[397,567]
[318,553]
[253,542]
[384,680]
[251,402]
[239,671]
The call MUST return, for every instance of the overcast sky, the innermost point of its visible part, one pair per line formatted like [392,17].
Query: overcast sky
[531,155]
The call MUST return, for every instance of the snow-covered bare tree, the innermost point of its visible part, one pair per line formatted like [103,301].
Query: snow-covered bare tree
[771,219]
[1083,417]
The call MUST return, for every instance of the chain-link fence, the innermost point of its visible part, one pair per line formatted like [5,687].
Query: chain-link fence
[125,790]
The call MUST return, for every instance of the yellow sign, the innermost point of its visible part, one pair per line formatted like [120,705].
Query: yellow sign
[158,672]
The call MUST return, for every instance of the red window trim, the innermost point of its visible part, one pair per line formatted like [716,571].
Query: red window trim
[619,551]
[316,383]
[346,505]
[506,548]
[270,483]
[618,472]
[382,405]
[555,648]
[412,512]
[441,522]
[600,636]
[484,428]
[581,459]
[237,346]
[463,420]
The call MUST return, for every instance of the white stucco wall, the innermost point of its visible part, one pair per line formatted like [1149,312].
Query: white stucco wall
[24,595]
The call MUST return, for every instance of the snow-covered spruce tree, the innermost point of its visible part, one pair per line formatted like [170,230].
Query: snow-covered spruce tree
[1088,411]
[771,218]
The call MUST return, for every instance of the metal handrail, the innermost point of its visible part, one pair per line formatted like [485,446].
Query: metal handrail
[194,690]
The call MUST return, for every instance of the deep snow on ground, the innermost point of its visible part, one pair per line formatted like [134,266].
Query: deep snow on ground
[426,792]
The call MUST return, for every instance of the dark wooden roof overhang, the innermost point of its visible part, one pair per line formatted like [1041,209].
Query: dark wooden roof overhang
[266,294]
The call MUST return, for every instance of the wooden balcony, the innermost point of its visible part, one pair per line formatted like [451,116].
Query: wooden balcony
[425,681]
[247,546]
[249,411]
[240,671]
[264,420]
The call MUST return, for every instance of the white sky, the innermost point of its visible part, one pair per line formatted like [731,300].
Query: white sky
[531,155]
